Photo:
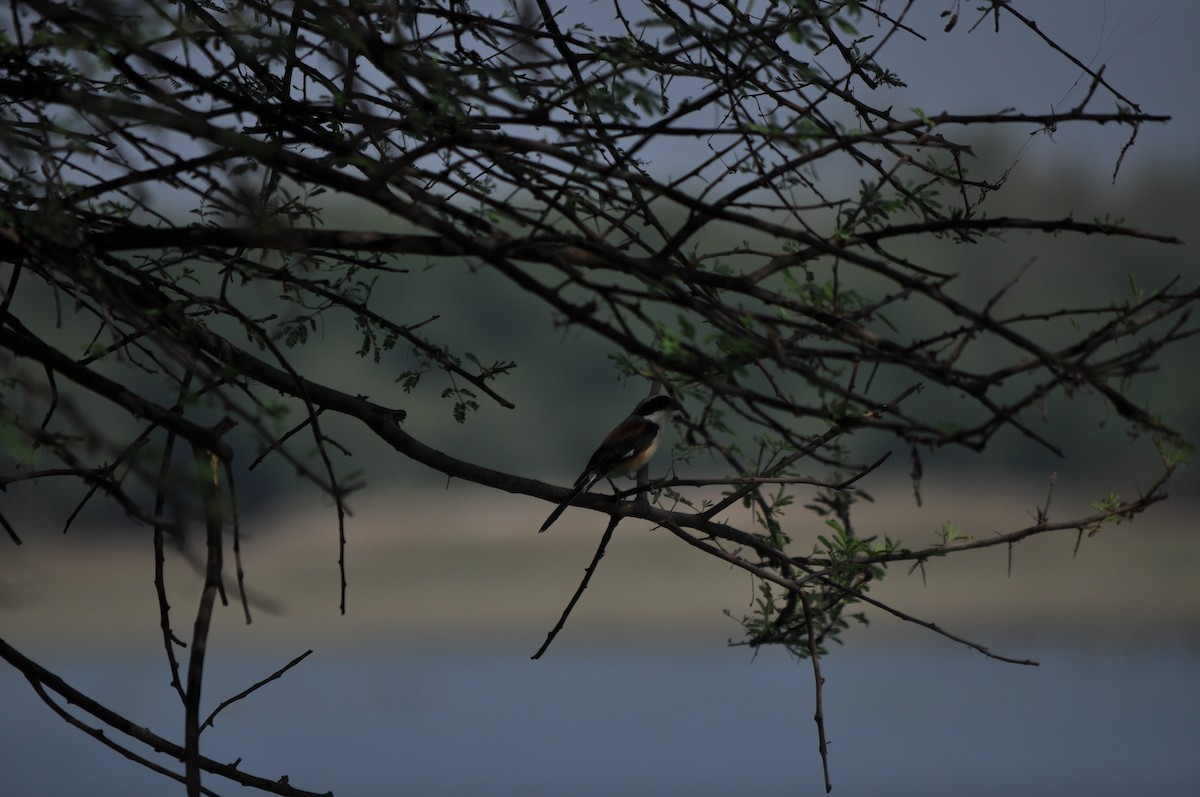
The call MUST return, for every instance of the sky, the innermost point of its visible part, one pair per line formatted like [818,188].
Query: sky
[1146,47]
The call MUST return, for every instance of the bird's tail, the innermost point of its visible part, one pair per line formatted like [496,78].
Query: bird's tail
[580,488]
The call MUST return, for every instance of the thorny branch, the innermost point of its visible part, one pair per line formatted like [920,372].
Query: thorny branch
[112,720]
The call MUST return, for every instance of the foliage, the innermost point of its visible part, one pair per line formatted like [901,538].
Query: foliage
[167,168]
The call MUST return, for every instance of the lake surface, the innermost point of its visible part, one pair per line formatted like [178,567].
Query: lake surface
[698,721]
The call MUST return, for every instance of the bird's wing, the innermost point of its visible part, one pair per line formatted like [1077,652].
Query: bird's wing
[631,436]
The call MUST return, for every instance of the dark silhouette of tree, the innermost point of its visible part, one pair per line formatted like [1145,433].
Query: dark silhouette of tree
[163,254]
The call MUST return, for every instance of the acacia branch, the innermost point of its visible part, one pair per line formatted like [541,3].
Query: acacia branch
[35,673]
[587,577]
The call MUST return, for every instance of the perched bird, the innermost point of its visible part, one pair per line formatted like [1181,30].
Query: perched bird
[625,450]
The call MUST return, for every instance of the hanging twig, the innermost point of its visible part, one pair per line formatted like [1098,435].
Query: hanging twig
[587,577]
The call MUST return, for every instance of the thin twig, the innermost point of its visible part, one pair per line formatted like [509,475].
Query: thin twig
[282,439]
[208,472]
[170,640]
[99,735]
[36,673]
[247,692]
[908,618]
[587,576]
[237,543]
[818,688]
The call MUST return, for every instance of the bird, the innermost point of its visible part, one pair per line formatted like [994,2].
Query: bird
[624,450]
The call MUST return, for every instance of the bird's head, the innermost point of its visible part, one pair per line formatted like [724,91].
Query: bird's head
[657,406]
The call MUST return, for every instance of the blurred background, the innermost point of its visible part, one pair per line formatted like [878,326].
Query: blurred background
[425,686]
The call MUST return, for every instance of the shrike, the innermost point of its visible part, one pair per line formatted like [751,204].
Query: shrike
[625,450]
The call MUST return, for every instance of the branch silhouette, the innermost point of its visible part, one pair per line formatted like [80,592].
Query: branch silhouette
[202,204]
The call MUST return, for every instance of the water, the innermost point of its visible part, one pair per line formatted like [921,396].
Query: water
[702,721]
